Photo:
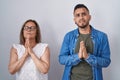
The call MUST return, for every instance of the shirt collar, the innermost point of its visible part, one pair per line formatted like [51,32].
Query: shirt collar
[92,32]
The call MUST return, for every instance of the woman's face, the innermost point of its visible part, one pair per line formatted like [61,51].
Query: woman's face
[29,30]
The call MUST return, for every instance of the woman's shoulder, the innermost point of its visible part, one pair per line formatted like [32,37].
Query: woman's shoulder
[17,45]
[42,44]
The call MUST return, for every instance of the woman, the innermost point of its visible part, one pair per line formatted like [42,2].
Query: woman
[30,59]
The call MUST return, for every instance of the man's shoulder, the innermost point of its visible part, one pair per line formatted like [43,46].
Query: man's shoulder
[98,31]
[72,32]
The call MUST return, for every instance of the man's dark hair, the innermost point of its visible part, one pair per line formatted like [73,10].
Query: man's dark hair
[80,6]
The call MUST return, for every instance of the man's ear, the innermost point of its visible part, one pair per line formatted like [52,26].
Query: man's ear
[89,17]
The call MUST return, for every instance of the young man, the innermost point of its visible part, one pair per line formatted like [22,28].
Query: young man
[85,50]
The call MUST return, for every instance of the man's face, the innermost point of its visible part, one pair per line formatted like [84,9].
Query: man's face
[81,17]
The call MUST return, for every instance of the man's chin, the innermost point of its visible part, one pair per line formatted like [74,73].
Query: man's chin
[82,27]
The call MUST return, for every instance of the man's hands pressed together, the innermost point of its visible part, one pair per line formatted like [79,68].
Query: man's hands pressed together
[82,51]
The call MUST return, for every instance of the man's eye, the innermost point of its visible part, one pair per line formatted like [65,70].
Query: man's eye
[83,14]
[77,15]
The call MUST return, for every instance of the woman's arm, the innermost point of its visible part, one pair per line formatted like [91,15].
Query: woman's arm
[43,63]
[15,64]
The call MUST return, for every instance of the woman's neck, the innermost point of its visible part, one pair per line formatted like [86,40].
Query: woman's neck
[32,42]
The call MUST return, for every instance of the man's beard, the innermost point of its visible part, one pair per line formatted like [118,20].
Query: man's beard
[83,26]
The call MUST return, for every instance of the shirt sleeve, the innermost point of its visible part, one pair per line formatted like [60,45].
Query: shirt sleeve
[65,58]
[102,57]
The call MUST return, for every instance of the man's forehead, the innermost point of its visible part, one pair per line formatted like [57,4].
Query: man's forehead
[80,10]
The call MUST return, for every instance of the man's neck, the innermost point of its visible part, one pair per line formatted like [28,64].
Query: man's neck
[85,30]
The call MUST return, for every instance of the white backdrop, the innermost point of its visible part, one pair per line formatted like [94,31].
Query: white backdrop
[55,18]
